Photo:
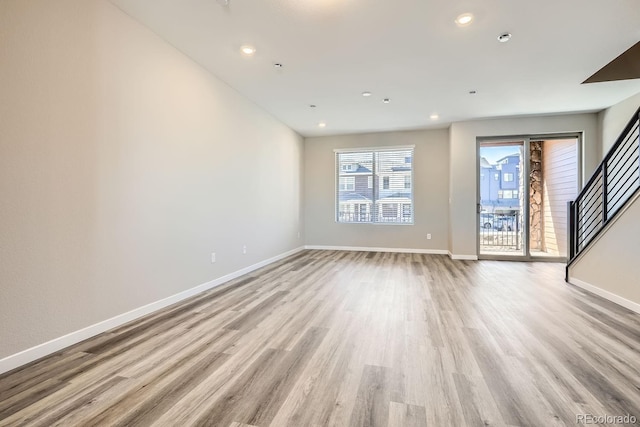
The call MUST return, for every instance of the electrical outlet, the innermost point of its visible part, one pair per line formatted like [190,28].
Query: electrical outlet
[244,249]
[429,236]
[213,257]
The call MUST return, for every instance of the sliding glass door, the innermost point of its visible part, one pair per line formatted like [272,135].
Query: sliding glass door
[524,185]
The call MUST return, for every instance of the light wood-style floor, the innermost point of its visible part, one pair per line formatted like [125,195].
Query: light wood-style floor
[329,338]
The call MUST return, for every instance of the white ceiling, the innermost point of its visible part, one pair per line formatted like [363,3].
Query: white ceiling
[410,51]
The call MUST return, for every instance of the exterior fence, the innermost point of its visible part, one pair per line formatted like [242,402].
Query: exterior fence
[500,231]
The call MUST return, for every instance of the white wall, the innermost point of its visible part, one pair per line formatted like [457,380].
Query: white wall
[613,120]
[430,182]
[123,165]
[463,167]
[611,263]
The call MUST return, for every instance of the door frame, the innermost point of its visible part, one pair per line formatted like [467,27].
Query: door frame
[526,141]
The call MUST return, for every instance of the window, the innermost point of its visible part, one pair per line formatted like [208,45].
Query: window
[507,194]
[508,177]
[496,176]
[374,186]
[347,183]
[385,182]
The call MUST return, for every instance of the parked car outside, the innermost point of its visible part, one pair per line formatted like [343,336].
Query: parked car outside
[498,221]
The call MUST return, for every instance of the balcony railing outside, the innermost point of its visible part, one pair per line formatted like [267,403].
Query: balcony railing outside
[500,232]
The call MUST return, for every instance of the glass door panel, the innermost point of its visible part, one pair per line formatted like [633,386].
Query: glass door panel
[502,199]
[553,183]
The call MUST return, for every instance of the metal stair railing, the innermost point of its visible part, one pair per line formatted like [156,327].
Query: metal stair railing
[610,188]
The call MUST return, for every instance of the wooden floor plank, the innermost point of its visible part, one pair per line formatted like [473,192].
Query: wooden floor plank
[373,399]
[401,415]
[477,404]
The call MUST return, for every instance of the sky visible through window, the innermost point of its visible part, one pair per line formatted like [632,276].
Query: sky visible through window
[493,154]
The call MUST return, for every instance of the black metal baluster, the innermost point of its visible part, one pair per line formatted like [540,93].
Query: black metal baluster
[604,193]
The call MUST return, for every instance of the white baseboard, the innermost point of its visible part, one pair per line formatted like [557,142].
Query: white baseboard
[34,353]
[633,306]
[368,249]
[463,257]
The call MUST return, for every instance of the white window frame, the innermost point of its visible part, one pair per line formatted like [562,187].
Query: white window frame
[377,186]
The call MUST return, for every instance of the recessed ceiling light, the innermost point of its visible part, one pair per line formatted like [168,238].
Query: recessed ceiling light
[504,37]
[322,125]
[464,19]
[248,50]
[472,92]
[312,106]
[278,65]
[386,100]
[434,116]
[366,93]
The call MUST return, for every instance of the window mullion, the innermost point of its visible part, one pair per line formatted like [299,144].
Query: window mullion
[374,193]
